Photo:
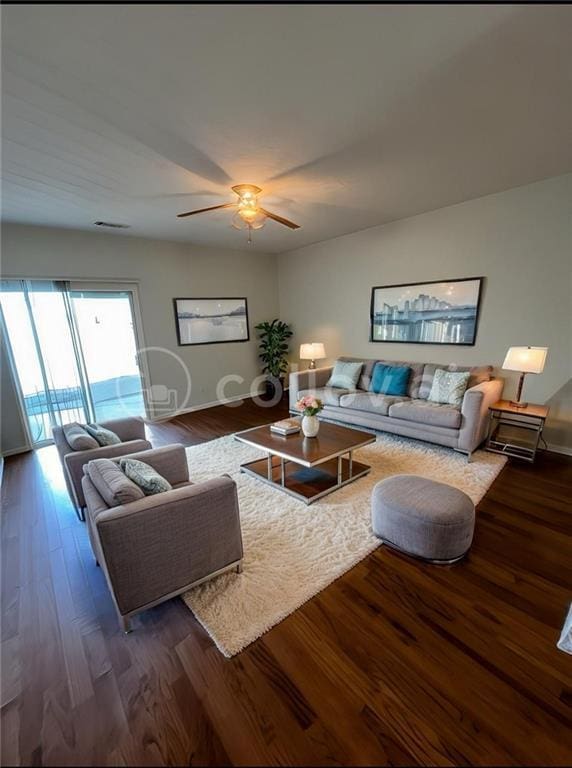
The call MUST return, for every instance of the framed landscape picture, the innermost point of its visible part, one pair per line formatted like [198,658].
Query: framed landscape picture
[211,321]
[439,312]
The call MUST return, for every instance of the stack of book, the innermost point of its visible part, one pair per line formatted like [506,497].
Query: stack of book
[285,427]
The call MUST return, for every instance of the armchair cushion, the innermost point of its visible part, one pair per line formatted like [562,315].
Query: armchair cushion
[78,438]
[102,435]
[147,478]
[114,487]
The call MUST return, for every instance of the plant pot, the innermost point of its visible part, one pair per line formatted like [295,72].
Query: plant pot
[274,388]
[310,426]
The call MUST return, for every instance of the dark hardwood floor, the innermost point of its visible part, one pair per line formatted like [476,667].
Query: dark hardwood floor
[396,663]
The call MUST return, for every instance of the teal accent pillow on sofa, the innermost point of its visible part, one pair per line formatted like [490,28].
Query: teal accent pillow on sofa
[390,380]
[345,375]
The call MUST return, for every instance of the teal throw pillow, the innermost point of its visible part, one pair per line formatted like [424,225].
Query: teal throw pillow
[149,480]
[345,375]
[390,380]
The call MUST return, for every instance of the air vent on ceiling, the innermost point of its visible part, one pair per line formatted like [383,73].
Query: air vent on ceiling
[111,225]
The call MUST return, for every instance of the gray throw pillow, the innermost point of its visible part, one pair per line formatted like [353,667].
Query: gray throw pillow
[102,435]
[345,375]
[77,438]
[149,480]
[112,484]
[449,387]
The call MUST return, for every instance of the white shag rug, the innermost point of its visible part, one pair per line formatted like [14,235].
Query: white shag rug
[292,551]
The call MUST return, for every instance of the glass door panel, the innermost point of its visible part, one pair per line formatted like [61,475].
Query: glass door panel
[42,349]
[104,321]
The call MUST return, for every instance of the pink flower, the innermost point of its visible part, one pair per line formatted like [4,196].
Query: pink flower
[309,405]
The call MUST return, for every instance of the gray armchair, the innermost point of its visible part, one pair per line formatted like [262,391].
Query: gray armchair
[157,547]
[130,430]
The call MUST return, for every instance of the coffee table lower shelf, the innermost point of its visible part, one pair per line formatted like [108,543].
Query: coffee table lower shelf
[306,483]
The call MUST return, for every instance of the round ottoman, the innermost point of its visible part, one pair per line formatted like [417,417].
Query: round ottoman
[423,518]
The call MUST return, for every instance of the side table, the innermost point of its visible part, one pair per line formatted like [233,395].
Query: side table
[516,431]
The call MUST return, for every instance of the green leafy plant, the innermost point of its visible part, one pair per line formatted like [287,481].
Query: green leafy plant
[274,347]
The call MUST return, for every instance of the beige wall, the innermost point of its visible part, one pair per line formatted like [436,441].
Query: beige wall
[520,240]
[163,271]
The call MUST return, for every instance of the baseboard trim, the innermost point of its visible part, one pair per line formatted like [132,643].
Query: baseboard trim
[564,449]
[203,406]
[14,451]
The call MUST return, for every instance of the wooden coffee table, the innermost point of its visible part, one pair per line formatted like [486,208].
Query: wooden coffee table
[307,467]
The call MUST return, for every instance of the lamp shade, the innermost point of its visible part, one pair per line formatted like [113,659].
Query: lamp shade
[313,351]
[525,359]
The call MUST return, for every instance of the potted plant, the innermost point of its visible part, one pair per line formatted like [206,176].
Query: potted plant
[273,353]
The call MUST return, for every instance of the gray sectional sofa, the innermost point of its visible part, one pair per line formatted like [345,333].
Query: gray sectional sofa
[463,429]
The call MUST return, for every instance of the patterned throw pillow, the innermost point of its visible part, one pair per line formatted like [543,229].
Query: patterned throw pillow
[144,476]
[449,387]
[102,435]
[345,375]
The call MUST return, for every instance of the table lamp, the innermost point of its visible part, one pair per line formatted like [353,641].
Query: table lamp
[525,360]
[312,352]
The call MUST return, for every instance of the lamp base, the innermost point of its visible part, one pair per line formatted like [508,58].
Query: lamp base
[518,403]
[312,364]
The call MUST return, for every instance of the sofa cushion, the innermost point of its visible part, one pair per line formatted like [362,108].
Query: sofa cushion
[111,483]
[369,402]
[390,380]
[77,438]
[328,395]
[345,375]
[478,374]
[449,387]
[425,412]
[102,435]
[147,478]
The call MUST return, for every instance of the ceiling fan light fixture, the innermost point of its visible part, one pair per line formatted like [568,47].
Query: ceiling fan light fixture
[242,221]
[250,214]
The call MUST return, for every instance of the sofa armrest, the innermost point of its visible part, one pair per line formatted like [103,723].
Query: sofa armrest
[61,443]
[475,412]
[312,378]
[170,461]
[75,461]
[158,545]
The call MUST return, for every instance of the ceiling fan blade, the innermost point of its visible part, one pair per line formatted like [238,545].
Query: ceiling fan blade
[279,219]
[204,210]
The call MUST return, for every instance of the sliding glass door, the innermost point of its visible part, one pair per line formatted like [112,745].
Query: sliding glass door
[74,353]
[105,325]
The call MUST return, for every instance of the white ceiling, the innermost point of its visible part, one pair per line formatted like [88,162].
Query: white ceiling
[347,116]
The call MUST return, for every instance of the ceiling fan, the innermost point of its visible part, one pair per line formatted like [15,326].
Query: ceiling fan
[250,214]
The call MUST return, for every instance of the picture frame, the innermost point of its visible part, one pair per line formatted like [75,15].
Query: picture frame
[444,312]
[208,320]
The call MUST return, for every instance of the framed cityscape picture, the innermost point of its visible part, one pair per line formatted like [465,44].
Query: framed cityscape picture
[211,321]
[438,312]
